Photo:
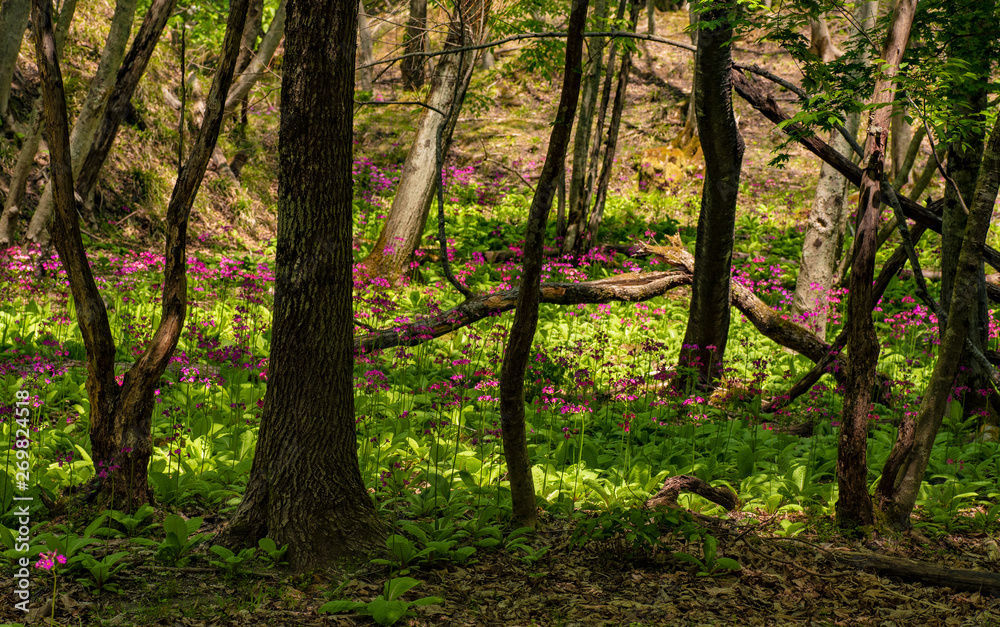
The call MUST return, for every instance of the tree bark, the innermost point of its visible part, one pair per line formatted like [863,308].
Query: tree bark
[903,473]
[132,69]
[414,40]
[522,330]
[13,22]
[16,190]
[97,95]
[708,318]
[366,49]
[120,416]
[305,489]
[584,124]
[827,221]
[255,69]
[407,217]
[854,506]
[820,43]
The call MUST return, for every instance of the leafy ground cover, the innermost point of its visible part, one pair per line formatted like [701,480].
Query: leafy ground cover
[604,432]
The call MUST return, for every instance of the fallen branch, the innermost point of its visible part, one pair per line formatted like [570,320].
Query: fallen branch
[927,573]
[673,486]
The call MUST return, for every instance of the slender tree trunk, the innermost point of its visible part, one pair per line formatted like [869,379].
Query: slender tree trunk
[366,49]
[904,470]
[121,415]
[827,221]
[13,22]
[820,43]
[522,330]
[900,134]
[584,124]
[407,217]
[708,317]
[132,69]
[689,134]
[611,142]
[305,489]
[854,506]
[576,227]
[255,69]
[903,174]
[414,40]
[93,106]
[16,191]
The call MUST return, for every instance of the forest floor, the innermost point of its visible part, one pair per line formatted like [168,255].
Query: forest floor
[783,581]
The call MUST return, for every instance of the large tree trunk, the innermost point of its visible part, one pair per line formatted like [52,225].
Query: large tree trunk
[407,217]
[414,41]
[708,317]
[903,473]
[854,506]
[120,415]
[132,69]
[522,330]
[93,106]
[827,222]
[13,22]
[305,489]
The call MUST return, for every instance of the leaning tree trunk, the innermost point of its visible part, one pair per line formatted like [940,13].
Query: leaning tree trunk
[121,415]
[414,40]
[13,22]
[407,217]
[522,330]
[255,69]
[854,506]
[305,489]
[827,221]
[820,43]
[708,316]
[903,473]
[964,158]
[119,102]
[16,190]
[93,108]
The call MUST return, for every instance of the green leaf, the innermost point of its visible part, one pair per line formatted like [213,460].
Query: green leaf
[727,563]
[340,606]
[395,588]
[387,612]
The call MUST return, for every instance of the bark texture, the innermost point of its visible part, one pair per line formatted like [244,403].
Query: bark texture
[854,506]
[13,22]
[522,330]
[904,470]
[258,64]
[414,40]
[708,318]
[407,217]
[305,488]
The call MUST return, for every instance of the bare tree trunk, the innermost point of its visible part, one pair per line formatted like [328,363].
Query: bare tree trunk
[13,22]
[265,51]
[305,489]
[820,43]
[415,40]
[903,174]
[900,134]
[16,191]
[927,173]
[708,317]
[93,108]
[367,49]
[120,416]
[854,506]
[827,221]
[522,330]
[579,195]
[407,217]
[689,134]
[903,473]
